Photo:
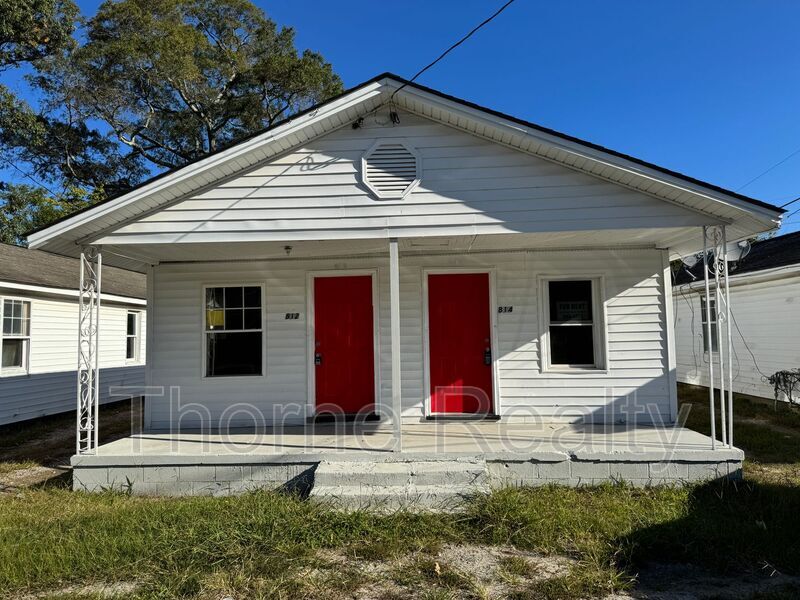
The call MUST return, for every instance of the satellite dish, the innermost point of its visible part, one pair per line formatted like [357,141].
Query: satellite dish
[738,250]
[690,260]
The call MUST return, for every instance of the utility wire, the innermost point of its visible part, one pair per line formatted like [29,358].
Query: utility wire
[456,45]
[790,202]
[775,166]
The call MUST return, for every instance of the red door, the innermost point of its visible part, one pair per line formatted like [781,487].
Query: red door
[344,345]
[460,346]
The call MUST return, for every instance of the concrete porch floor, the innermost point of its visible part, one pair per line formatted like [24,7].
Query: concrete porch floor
[361,456]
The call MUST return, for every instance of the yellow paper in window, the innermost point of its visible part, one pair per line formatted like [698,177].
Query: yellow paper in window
[215,318]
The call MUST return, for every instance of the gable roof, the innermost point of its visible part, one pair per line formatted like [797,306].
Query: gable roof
[64,235]
[34,267]
[781,251]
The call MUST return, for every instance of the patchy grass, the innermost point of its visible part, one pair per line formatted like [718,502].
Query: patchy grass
[549,542]
[769,434]
[266,544]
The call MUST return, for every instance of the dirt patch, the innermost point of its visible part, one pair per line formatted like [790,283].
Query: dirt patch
[465,571]
[121,589]
[44,446]
[15,480]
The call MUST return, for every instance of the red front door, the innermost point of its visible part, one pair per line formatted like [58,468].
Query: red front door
[344,345]
[460,343]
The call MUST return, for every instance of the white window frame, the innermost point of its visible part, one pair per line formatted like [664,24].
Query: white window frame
[137,337]
[708,348]
[25,368]
[204,331]
[599,324]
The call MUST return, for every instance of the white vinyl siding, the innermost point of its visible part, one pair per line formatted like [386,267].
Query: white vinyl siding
[767,315]
[468,186]
[49,386]
[635,385]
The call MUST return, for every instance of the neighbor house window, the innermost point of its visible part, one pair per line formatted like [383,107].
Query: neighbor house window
[16,335]
[704,321]
[132,336]
[233,331]
[572,320]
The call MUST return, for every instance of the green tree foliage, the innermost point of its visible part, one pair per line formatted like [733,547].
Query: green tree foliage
[34,29]
[152,84]
[176,79]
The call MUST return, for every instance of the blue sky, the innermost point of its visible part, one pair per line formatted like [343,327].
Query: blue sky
[706,88]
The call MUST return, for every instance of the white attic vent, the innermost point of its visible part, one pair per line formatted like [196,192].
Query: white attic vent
[391,168]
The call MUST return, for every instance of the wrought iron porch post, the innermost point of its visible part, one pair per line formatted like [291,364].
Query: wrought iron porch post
[709,342]
[730,339]
[88,355]
[720,303]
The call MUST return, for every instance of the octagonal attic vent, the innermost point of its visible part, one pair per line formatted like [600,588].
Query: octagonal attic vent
[391,168]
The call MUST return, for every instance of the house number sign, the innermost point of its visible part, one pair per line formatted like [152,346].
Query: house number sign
[292,316]
[505,309]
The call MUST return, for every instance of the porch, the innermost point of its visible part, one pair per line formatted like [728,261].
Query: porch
[440,460]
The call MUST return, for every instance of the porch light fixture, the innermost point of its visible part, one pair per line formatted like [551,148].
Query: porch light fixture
[391,168]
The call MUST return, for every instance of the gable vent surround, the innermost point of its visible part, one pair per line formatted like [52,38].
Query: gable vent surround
[391,168]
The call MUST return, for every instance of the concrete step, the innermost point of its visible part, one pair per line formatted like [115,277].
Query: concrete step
[427,484]
[399,473]
[378,497]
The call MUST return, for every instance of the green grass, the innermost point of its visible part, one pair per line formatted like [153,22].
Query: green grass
[267,545]
[261,543]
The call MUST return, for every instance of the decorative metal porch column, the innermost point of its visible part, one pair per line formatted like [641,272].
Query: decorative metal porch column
[715,240]
[88,366]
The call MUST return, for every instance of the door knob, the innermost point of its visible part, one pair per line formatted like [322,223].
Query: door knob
[487,356]
[318,358]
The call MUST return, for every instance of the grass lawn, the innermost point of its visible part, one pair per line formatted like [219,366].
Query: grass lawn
[548,542]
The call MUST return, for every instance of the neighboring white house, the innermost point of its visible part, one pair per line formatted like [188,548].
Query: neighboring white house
[765,304]
[396,246]
[39,336]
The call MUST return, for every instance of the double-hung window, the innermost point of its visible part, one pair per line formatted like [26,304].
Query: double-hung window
[132,336]
[15,337]
[233,331]
[712,343]
[573,323]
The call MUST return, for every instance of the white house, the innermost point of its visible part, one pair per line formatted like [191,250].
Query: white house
[765,302]
[39,337]
[398,250]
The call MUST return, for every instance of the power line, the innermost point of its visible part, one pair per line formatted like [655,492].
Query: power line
[454,46]
[790,202]
[775,166]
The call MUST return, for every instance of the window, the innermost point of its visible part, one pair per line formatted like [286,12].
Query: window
[233,331]
[571,319]
[15,336]
[132,337]
[704,321]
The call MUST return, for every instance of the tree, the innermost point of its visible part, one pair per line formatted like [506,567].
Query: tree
[34,29]
[177,79]
[153,84]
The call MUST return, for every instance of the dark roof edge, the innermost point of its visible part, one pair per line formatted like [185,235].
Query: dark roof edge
[407,83]
[58,287]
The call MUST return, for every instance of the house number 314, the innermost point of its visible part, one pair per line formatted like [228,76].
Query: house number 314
[505,309]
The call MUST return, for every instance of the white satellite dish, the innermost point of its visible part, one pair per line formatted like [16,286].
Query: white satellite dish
[690,260]
[738,250]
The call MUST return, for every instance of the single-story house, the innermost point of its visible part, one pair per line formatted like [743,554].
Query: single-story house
[417,261]
[765,304]
[39,337]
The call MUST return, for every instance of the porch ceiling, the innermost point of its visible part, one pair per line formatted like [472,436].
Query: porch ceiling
[137,256]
